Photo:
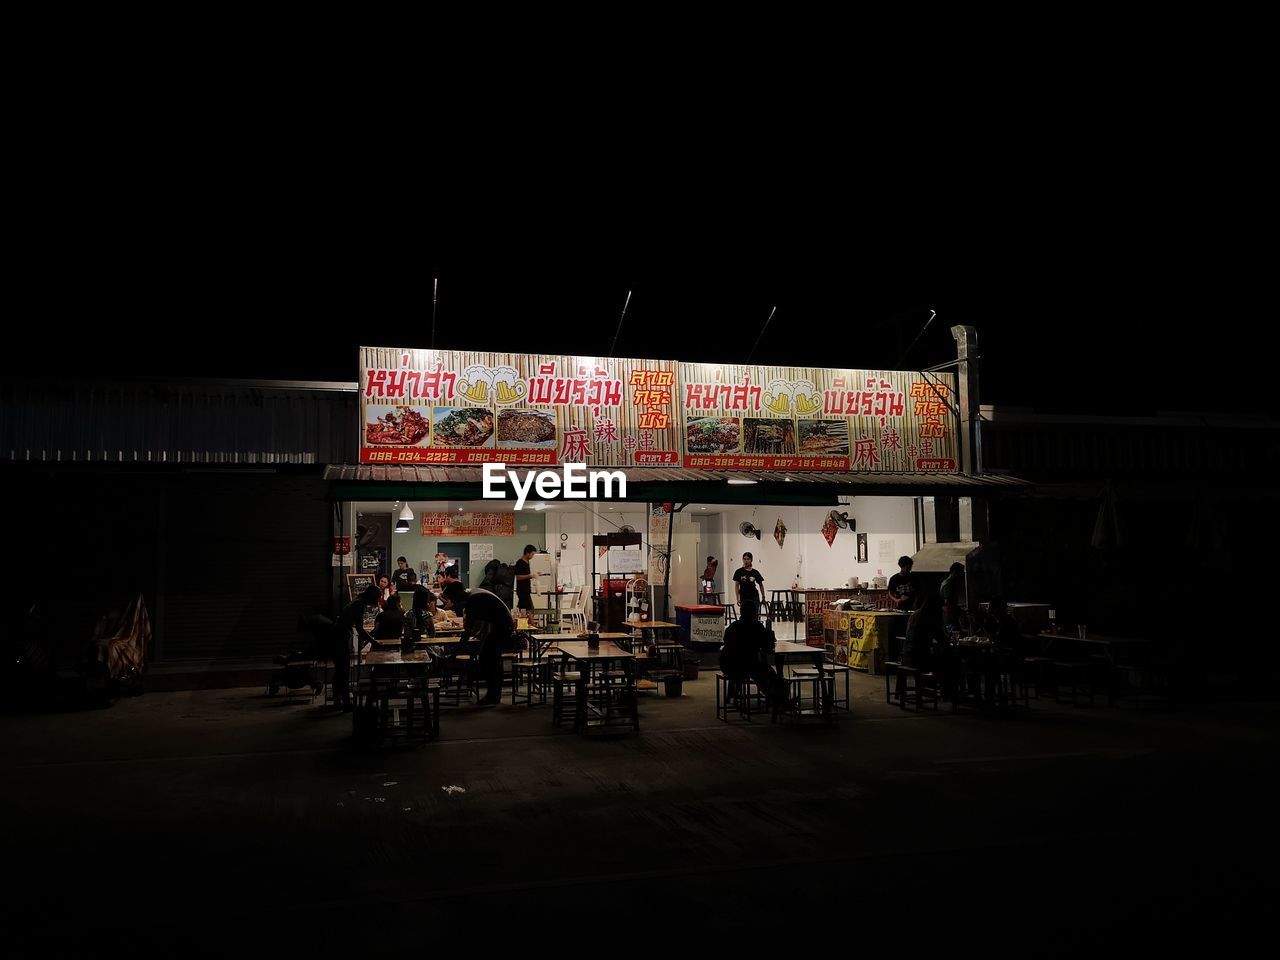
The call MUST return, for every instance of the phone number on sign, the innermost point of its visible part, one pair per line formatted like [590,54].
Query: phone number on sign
[407,456]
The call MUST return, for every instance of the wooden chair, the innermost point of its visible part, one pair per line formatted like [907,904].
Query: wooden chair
[574,617]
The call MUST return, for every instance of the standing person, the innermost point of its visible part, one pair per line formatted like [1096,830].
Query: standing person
[748,585]
[924,632]
[352,617]
[385,588]
[901,587]
[487,619]
[524,580]
[952,593]
[400,579]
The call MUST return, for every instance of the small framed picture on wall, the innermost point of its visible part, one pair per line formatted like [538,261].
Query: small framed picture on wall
[862,548]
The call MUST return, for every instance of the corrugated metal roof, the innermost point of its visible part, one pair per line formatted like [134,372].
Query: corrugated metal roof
[178,422]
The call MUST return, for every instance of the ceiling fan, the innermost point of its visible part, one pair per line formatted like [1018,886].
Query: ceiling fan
[749,529]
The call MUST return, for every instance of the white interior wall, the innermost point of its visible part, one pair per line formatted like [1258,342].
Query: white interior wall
[685,550]
[804,556]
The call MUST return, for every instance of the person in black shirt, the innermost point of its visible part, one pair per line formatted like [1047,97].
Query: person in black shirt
[1002,628]
[352,617]
[486,619]
[901,587]
[390,622]
[422,616]
[401,577]
[524,580]
[749,586]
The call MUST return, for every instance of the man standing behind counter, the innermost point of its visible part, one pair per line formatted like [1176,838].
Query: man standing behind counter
[901,587]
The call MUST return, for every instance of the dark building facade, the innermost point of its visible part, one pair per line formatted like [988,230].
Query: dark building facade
[211,499]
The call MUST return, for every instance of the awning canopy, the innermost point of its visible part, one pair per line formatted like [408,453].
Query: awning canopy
[659,485]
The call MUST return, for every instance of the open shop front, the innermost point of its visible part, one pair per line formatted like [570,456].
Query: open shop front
[669,551]
[826,476]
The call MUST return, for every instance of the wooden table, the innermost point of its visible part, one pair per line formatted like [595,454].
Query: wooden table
[397,663]
[593,662]
[449,641]
[651,628]
[1108,645]
[548,640]
[376,658]
[786,651]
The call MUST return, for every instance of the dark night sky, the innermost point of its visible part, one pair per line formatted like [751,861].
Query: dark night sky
[1090,292]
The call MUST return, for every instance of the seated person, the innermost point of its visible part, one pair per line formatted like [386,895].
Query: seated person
[389,627]
[1002,628]
[746,644]
[423,615]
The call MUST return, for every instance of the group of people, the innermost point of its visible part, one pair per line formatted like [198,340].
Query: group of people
[935,615]
[932,613]
[488,627]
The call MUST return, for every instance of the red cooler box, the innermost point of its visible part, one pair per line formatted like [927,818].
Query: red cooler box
[700,623]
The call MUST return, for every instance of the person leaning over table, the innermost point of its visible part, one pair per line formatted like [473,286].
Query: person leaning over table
[351,618]
[487,618]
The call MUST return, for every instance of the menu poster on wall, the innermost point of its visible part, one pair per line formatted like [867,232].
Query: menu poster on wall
[659,525]
[373,560]
[626,560]
[481,553]
[754,417]
[469,525]
[473,407]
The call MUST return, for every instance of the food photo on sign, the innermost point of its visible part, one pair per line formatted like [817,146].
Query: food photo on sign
[533,429]
[761,436]
[714,435]
[824,437]
[462,426]
[395,426]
